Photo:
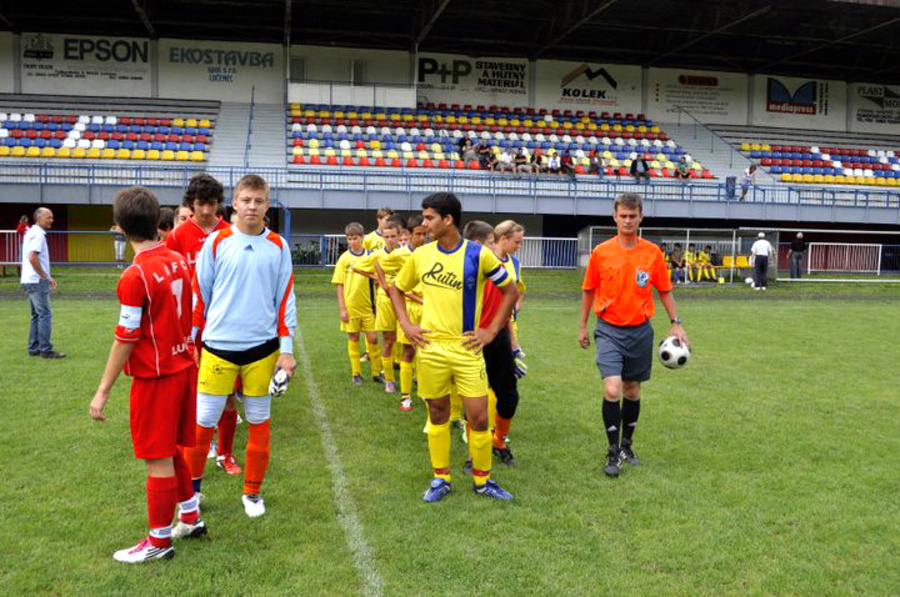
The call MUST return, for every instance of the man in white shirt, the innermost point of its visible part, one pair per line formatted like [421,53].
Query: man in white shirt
[759,259]
[38,283]
[747,179]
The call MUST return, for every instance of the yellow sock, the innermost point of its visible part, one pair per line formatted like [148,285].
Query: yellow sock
[480,448]
[439,449]
[398,352]
[353,351]
[455,404]
[387,362]
[492,409]
[374,359]
[405,378]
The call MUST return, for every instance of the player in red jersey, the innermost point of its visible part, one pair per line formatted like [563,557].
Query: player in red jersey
[153,345]
[205,196]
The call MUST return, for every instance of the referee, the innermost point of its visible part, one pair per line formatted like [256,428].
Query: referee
[617,283]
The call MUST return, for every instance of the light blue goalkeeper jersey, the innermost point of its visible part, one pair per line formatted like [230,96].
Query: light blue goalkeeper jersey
[244,291]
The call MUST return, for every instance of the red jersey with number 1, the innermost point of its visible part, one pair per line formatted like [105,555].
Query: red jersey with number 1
[188,239]
[155,297]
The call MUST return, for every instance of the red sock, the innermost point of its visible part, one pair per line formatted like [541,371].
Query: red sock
[227,425]
[162,495]
[258,448]
[501,430]
[196,456]
[185,491]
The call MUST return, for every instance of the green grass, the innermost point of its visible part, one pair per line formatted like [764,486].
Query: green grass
[770,465]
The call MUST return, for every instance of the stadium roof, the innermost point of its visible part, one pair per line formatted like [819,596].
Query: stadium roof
[855,40]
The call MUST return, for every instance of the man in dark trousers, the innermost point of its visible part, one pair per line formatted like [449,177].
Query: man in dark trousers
[797,254]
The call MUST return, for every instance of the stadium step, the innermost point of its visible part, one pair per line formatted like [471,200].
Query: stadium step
[230,135]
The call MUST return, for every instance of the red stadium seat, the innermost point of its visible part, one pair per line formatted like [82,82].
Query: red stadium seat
[364,162]
[380,162]
[298,159]
[412,163]
[396,163]
[348,161]
[331,161]
[315,159]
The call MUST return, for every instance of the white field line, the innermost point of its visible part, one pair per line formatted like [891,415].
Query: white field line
[363,558]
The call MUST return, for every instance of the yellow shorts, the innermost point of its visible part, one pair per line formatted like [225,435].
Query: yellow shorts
[385,318]
[359,324]
[414,310]
[444,361]
[217,375]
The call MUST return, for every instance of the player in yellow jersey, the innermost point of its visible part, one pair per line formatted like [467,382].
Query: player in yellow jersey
[374,241]
[416,229]
[449,340]
[389,259]
[355,304]
[690,264]
[705,267]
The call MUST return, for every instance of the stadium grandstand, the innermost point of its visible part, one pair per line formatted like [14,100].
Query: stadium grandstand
[561,108]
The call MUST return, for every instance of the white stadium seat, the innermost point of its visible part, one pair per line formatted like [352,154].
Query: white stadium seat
[84,144]
[28,117]
[15,117]
[70,143]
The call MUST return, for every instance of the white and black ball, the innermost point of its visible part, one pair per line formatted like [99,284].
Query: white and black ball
[673,353]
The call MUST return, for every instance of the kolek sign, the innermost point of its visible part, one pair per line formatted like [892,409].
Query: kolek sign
[580,85]
[457,79]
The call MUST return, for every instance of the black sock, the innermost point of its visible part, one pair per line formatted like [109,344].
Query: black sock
[630,411]
[612,420]
[196,483]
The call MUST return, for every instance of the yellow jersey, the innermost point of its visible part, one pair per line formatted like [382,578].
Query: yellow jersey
[690,257]
[452,285]
[390,262]
[373,242]
[357,295]
[703,258]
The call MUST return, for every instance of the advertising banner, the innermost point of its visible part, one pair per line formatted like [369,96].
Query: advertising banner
[875,108]
[799,102]
[7,63]
[588,86]
[454,79]
[221,70]
[85,65]
[709,96]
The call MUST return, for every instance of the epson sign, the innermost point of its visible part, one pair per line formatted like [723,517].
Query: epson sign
[106,50]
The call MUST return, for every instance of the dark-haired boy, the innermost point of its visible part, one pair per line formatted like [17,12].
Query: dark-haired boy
[153,345]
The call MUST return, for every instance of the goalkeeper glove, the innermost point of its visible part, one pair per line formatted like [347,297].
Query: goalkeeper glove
[521,368]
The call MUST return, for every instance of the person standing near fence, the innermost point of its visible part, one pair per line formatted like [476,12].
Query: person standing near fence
[759,258]
[747,179]
[37,282]
[119,244]
[797,254]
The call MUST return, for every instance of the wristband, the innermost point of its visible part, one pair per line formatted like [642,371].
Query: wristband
[677,320]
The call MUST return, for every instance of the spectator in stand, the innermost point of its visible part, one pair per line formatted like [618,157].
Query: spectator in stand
[747,179]
[597,165]
[461,144]
[119,243]
[567,164]
[505,161]
[38,283]
[554,165]
[522,162]
[683,171]
[797,254]
[676,263]
[483,149]
[537,160]
[469,153]
[640,169]
[759,259]
[493,161]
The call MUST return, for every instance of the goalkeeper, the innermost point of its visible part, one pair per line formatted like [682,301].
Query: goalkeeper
[501,365]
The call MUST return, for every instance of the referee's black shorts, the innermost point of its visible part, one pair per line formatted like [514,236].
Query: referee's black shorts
[624,350]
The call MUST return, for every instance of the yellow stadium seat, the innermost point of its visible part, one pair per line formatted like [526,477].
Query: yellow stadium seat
[393,154]
[366,116]
[880,180]
[324,114]
[436,147]
[33,152]
[309,114]
[503,122]
[108,154]
[617,128]
[139,154]
[177,122]
[796,178]
[642,129]
[408,155]
[198,156]
[361,153]
[829,178]
[754,146]
[743,262]
[745,146]
[765,147]
[407,118]
[123,154]
[870,180]
[18,151]
[654,129]
[818,178]
[182,156]
[79,152]
[330,152]
[395,118]
[454,156]
[655,165]
[891,182]
[376,153]
[423,155]
[527,123]
[93,153]
[785,177]
[352,115]
[4,151]
[839,178]
[346,153]
[604,127]
[167,155]
[439,155]
[205,123]
[380,116]
[192,122]
[629,128]
[48,152]
[489,121]
[296,151]
[374,144]
[579,126]
[567,125]
[153,154]
[338,113]
[474,120]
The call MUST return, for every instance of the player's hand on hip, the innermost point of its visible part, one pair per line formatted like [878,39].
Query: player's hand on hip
[584,340]
[477,340]
[97,405]
[286,361]
[417,336]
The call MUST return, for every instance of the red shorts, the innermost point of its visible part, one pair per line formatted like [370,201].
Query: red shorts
[163,413]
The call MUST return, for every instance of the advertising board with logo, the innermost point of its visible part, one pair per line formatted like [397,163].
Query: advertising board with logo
[219,70]
[588,86]
[799,102]
[454,79]
[875,108]
[85,65]
[710,97]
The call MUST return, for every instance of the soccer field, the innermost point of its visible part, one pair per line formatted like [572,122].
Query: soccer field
[770,465]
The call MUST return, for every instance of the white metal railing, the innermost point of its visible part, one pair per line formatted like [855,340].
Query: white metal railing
[844,257]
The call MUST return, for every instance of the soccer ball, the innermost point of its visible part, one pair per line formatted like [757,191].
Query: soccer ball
[279,383]
[748,281]
[673,353]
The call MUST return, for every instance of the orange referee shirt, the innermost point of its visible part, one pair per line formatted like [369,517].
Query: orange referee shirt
[621,279]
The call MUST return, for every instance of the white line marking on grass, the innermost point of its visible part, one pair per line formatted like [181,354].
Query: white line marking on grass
[363,558]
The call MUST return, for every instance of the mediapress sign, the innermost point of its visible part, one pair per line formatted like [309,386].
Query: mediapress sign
[89,65]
